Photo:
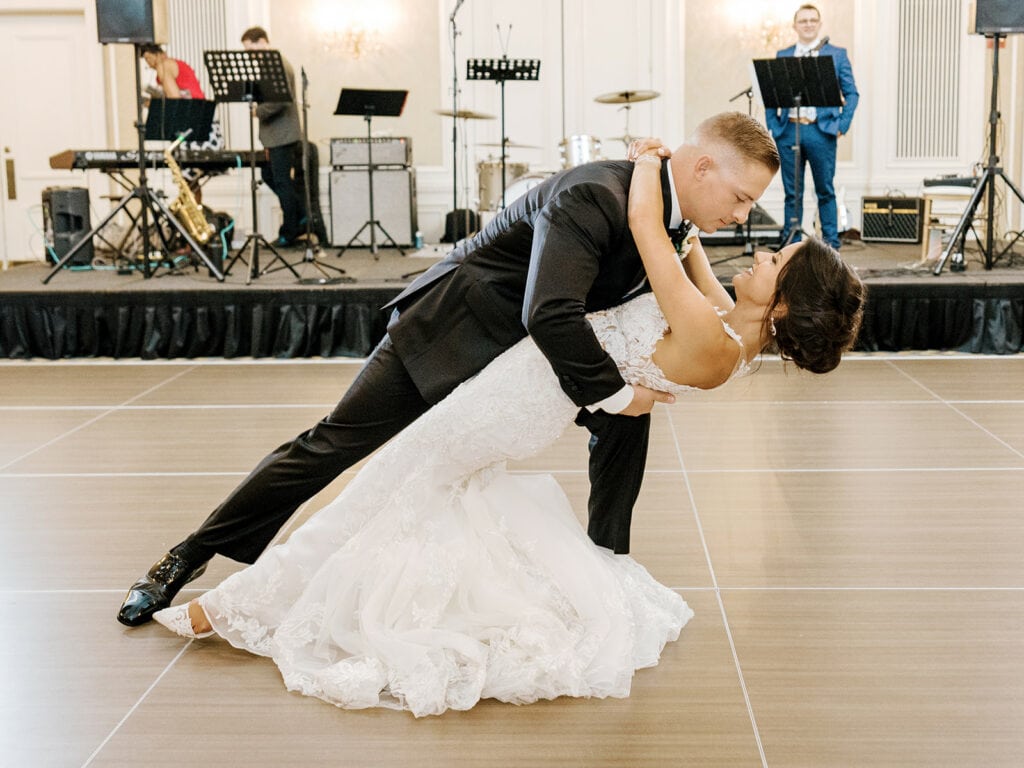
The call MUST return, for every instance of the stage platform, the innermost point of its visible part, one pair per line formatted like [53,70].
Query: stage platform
[188,314]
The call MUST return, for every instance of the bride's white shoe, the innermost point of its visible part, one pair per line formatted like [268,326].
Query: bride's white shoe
[177,620]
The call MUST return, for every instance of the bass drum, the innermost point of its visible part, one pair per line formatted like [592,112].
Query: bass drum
[515,190]
[489,177]
[577,150]
[521,186]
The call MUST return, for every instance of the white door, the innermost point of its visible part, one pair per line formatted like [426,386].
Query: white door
[50,101]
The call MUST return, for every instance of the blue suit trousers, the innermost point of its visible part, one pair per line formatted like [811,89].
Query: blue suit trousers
[817,149]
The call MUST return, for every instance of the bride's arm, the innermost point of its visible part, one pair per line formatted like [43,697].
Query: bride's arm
[700,338]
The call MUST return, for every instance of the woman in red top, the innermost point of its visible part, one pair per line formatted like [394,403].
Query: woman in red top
[179,81]
[177,78]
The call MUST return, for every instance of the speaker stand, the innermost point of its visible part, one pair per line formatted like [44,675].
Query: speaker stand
[986,184]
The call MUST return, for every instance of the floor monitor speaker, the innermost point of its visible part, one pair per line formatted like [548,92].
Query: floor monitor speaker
[65,223]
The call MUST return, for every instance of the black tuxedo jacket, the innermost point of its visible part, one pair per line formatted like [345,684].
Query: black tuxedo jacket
[561,250]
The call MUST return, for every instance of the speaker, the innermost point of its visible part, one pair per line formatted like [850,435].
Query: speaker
[892,219]
[1002,17]
[132,21]
[65,223]
[386,151]
[394,204]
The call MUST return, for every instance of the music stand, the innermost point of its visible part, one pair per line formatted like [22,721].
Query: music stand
[370,104]
[250,77]
[791,82]
[169,119]
[150,203]
[502,70]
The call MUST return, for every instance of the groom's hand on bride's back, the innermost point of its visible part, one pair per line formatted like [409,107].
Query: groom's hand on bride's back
[644,400]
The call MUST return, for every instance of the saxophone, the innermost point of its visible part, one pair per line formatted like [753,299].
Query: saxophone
[185,207]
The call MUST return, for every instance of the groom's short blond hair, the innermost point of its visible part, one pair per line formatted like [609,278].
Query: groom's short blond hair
[742,133]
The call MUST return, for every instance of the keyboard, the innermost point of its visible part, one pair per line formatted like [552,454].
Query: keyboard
[952,181]
[125,159]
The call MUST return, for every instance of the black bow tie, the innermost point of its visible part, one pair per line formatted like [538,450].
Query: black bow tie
[678,236]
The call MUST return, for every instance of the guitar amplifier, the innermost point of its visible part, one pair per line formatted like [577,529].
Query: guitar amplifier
[892,219]
[394,205]
[386,151]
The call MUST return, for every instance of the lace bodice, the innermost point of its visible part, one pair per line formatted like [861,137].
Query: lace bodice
[629,333]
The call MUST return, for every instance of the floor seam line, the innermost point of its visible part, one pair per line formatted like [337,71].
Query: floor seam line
[718,598]
[135,706]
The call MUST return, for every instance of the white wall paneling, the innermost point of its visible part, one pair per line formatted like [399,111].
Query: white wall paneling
[587,48]
[54,82]
[918,117]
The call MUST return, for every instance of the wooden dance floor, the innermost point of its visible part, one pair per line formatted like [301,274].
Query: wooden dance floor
[851,545]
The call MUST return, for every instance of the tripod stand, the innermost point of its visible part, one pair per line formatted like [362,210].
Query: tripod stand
[150,205]
[313,250]
[250,77]
[355,101]
[986,184]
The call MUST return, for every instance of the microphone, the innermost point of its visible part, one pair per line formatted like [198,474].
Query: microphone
[819,46]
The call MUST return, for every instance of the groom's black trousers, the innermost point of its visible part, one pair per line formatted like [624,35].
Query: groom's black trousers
[379,404]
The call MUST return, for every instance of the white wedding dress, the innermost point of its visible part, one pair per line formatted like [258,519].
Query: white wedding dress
[437,578]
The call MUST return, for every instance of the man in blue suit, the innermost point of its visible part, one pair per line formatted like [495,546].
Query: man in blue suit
[820,129]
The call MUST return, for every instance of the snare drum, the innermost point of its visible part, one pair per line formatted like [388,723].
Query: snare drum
[577,150]
[489,177]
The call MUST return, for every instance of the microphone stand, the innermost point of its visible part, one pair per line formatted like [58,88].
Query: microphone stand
[455,124]
[794,223]
[748,243]
[313,251]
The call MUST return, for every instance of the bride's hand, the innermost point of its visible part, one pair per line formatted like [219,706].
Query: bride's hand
[645,206]
[644,400]
[650,146]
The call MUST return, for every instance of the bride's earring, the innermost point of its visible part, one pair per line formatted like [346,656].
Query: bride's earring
[772,326]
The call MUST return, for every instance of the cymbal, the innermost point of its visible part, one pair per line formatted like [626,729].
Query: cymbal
[465,113]
[509,144]
[626,97]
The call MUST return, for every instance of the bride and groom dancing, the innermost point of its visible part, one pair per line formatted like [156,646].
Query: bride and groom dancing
[437,578]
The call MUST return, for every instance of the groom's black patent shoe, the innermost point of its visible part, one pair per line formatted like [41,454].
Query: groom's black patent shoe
[157,588]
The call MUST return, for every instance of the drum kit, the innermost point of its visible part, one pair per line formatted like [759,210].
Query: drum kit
[577,150]
[574,151]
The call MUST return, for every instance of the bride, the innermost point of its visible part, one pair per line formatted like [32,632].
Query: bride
[437,578]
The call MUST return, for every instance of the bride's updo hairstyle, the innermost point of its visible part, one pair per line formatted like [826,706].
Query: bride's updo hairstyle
[820,302]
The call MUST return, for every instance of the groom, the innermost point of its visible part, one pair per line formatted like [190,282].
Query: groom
[558,252]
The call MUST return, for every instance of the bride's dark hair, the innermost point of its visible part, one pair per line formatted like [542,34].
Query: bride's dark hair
[817,307]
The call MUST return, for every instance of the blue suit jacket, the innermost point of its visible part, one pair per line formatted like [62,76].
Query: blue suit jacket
[831,120]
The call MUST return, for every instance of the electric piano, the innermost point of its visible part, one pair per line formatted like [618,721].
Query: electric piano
[109,160]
